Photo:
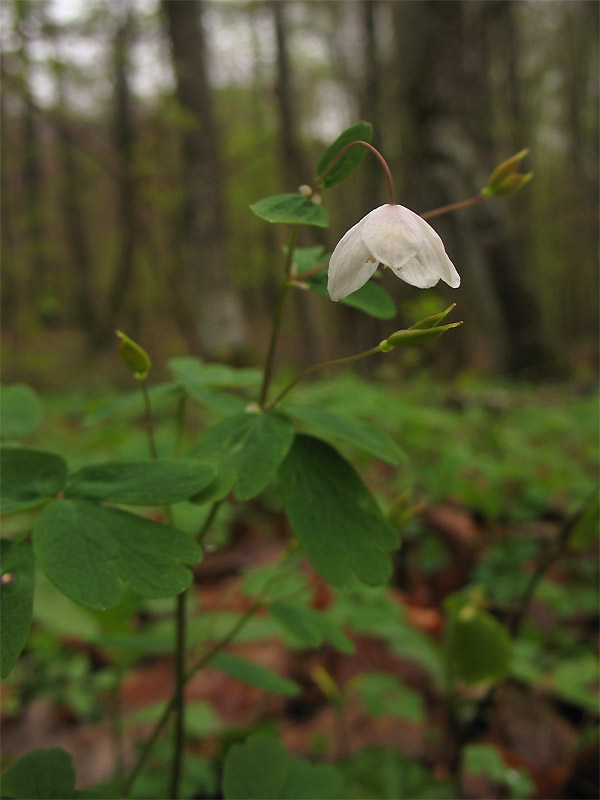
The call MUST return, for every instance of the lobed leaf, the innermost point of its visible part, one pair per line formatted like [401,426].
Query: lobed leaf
[28,477]
[88,550]
[371,298]
[153,483]
[16,609]
[338,523]
[46,774]
[245,450]
[260,768]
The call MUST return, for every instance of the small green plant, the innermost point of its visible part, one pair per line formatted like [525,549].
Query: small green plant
[88,530]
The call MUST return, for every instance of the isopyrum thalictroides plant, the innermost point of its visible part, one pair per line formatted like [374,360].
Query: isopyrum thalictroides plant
[78,528]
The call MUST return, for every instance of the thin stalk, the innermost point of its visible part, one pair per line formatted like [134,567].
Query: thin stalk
[277,316]
[179,695]
[167,711]
[472,201]
[375,152]
[208,522]
[148,419]
[309,273]
[336,362]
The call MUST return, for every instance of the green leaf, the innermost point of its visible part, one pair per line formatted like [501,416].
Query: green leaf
[87,550]
[153,483]
[362,434]
[371,298]
[260,768]
[46,774]
[309,627]
[586,528]
[385,774]
[482,759]
[384,694]
[16,609]
[245,450]
[20,411]
[478,647]
[292,209]
[338,523]
[189,368]
[29,476]
[348,162]
[254,674]
[130,406]
[576,681]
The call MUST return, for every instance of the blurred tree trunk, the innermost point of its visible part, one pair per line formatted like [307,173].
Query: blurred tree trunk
[120,293]
[85,310]
[445,93]
[31,165]
[295,169]
[221,325]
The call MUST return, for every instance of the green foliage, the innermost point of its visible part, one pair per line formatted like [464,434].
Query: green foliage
[482,759]
[28,477]
[385,774]
[350,160]
[20,411]
[41,775]
[260,768]
[254,674]
[150,483]
[293,209]
[361,434]
[385,694]
[16,608]
[336,520]
[245,450]
[308,627]
[87,550]
[371,298]
[586,528]
[477,646]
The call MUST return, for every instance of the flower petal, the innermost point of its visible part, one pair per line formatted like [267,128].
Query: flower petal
[392,234]
[416,274]
[433,257]
[351,264]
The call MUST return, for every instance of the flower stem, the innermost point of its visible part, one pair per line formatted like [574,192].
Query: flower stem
[169,708]
[179,695]
[277,316]
[336,362]
[471,201]
[375,152]
[148,419]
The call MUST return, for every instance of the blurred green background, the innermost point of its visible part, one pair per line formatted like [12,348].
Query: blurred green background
[135,135]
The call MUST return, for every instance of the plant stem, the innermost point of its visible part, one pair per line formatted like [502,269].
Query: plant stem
[375,152]
[309,273]
[472,201]
[276,325]
[336,362]
[148,419]
[208,522]
[179,695]
[164,717]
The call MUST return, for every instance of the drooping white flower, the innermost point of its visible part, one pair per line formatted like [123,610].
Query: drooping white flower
[399,239]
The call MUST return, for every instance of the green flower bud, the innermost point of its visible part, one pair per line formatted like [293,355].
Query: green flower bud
[412,337]
[431,322]
[134,357]
[505,179]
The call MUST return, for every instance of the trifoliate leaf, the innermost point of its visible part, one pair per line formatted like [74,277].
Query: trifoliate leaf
[338,523]
[88,550]
[292,209]
[348,162]
[29,476]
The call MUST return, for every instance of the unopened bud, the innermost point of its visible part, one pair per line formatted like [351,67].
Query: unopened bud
[505,179]
[431,322]
[305,190]
[316,198]
[413,337]
[134,357]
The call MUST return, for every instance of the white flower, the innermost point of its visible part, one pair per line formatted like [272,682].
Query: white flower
[399,239]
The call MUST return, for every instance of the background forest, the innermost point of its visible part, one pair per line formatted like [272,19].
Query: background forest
[134,141]
[135,136]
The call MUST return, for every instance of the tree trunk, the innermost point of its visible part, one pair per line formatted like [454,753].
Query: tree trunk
[204,258]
